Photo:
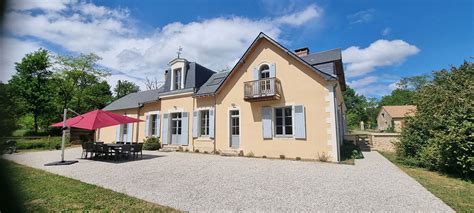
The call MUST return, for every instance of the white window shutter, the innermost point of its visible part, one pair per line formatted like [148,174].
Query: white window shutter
[211,123]
[147,125]
[157,125]
[164,137]
[255,73]
[267,122]
[195,124]
[184,128]
[118,132]
[299,127]
[272,70]
[130,132]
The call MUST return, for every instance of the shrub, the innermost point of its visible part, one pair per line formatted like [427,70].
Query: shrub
[298,158]
[151,143]
[241,153]
[217,152]
[186,150]
[439,137]
[282,156]
[264,156]
[206,152]
[180,149]
[196,150]
[43,143]
[250,154]
[350,151]
[323,157]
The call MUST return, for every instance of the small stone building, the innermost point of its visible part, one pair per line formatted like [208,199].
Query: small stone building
[394,116]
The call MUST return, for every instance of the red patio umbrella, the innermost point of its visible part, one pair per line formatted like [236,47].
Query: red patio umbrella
[97,119]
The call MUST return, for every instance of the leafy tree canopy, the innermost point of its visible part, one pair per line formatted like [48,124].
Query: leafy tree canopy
[124,88]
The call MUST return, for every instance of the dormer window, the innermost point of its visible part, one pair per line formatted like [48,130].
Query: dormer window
[177,79]
[264,71]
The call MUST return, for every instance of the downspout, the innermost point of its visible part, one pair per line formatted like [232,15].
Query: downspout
[138,123]
[192,113]
[215,119]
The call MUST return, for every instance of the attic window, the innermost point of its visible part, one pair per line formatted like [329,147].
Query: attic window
[216,81]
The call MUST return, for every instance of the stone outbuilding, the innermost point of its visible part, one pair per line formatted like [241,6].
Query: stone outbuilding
[394,116]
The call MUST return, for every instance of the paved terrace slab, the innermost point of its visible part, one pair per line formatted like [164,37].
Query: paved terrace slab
[199,182]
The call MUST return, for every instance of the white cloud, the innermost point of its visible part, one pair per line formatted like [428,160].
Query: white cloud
[85,27]
[300,18]
[362,82]
[360,61]
[386,31]
[12,50]
[50,5]
[362,16]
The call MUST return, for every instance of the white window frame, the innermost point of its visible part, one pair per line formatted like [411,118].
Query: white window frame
[177,85]
[206,123]
[274,118]
[260,71]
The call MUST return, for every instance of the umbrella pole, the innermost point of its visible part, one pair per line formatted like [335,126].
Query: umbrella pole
[63,162]
[63,139]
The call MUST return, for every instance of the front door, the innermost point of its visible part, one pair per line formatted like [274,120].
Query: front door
[234,128]
[175,128]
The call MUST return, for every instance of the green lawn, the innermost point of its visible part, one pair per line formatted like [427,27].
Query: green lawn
[457,193]
[42,191]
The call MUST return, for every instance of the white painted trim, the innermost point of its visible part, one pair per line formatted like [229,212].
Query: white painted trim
[231,108]
[177,95]
[157,112]
[331,120]
[178,109]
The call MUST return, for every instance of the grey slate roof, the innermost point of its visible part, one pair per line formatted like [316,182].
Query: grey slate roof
[132,100]
[212,84]
[323,57]
[195,76]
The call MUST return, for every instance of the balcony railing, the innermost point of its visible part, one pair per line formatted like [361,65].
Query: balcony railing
[262,90]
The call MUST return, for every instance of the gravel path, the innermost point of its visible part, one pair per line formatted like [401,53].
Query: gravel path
[198,182]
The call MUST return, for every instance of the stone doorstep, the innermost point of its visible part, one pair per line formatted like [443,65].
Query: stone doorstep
[230,152]
[169,148]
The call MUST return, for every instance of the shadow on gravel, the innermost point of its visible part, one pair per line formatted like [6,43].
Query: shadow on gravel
[112,159]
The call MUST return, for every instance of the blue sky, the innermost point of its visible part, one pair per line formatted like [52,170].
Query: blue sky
[382,41]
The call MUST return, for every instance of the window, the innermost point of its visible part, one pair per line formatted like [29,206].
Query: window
[283,121]
[177,79]
[124,129]
[176,123]
[264,71]
[234,122]
[154,118]
[204,122]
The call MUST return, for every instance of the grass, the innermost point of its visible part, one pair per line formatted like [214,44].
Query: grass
[42,191]
[456,192]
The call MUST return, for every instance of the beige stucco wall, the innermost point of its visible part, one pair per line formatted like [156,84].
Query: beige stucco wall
[300,85]
[182,103]
[385,121]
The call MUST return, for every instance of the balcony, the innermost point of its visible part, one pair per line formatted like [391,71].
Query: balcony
[262,90]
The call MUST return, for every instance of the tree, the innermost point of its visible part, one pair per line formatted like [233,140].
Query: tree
[8,111]
[80,83]
[356,107]
[152,84]
[406,89]
[124,88]
[31,84]
[440,135]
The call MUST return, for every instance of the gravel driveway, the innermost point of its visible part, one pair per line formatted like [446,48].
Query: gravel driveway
[198,182]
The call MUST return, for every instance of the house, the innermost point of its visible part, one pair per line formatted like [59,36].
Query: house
[394,117]
[273,102]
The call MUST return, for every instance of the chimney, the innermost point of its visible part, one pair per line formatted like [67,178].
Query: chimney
[302,51]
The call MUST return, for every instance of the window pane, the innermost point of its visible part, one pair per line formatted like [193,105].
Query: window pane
[279,130]
[287,120]
[279,121]
[278,112]
[288,111]
[237,130]
[288,130]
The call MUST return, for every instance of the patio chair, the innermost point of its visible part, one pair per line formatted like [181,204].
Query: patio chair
[102,150]
[87,148]
[126,150]
[137,148]
[120,142]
